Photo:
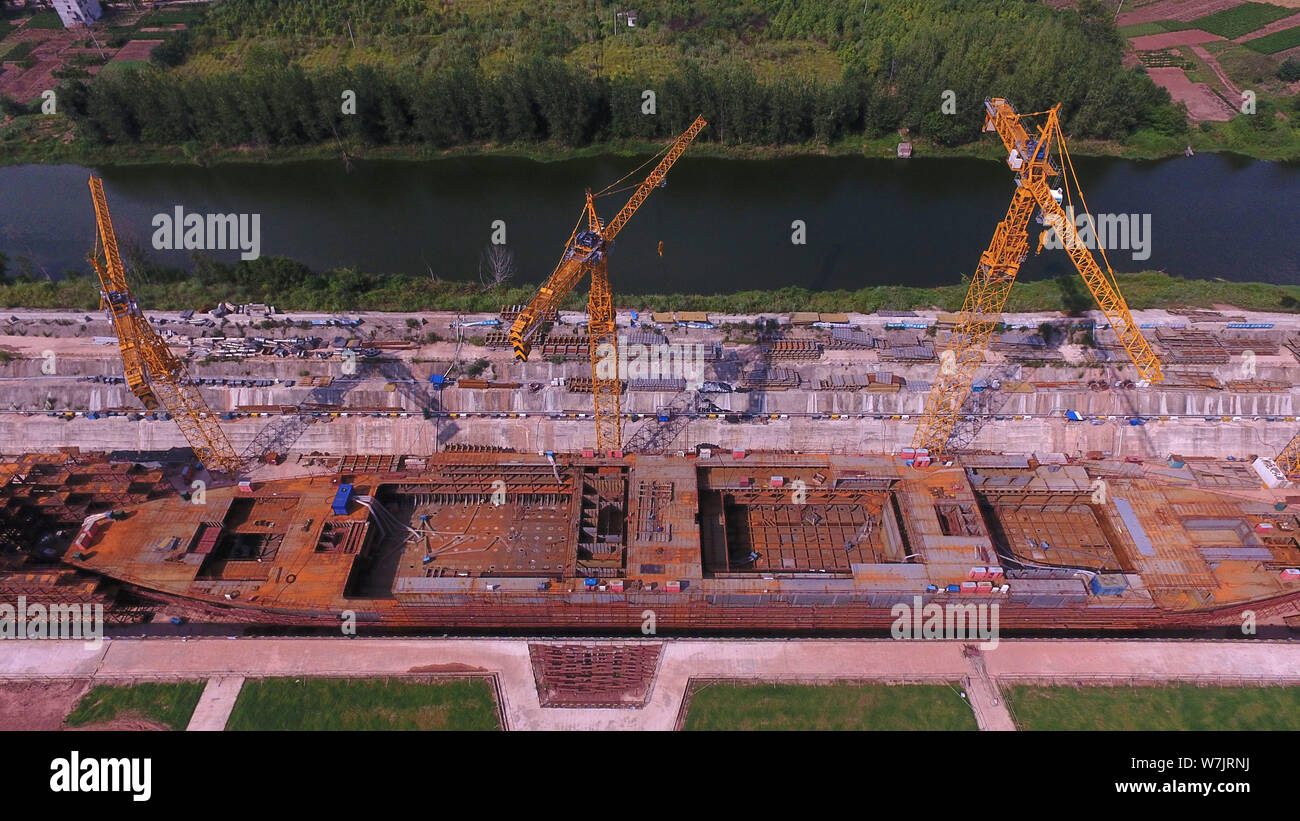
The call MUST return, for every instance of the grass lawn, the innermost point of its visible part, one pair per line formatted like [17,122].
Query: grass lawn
[18,51]
[828,707]
[1275,42]
[169,704]
[171,17]
[1240,20]
[48,19]
[1172,707]
[364,704]
[123,65]
[1143,29]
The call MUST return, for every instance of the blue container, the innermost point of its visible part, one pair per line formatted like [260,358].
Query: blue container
[953,588]
[341,500]
[1114,586]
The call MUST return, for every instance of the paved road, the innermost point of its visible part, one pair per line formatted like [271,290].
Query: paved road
[507,659]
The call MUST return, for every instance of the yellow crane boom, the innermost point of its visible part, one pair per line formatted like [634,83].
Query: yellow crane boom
[1289,459]
[587,251]
[1031,157]
[153,372]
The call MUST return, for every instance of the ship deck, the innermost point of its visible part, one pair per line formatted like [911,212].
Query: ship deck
[752,531]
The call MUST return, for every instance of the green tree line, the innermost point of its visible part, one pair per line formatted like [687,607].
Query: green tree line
[899,57]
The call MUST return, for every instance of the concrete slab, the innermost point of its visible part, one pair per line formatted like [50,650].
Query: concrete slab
[215,705]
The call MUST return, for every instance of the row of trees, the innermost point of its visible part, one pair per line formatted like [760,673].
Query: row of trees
[901,58]
[544,99]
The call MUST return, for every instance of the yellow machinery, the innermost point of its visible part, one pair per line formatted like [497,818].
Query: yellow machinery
[1035,160]
[587,251]
[1289,459]
[153,372]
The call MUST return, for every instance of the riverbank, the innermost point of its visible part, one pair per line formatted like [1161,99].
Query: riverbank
[291,286]
[50,140]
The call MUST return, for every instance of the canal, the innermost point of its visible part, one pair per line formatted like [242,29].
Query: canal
[726,225]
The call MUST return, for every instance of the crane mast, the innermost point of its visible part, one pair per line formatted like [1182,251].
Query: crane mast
[153,373]
[587,251]
[1289,459]
[1030,156]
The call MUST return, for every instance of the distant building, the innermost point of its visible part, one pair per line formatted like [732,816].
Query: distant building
[904,151]
[78,12]
[629,16]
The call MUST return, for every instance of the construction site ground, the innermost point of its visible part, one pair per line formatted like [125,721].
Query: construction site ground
[61,368]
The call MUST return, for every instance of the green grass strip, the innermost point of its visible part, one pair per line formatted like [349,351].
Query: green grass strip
[727,706]
[168,704]
[364,704]
[1172,707]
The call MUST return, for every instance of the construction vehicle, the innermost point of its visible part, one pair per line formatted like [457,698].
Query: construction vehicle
[1035,159]
[587,251]
[153,373]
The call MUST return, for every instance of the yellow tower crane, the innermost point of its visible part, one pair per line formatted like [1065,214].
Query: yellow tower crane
[153,372]
[587,251]
[1289,459]
[1035,159]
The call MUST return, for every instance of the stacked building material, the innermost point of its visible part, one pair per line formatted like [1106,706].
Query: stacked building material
[1261,344]
[771,379]
[884,382]
[1258,386]
[484,384]
[671,385]
[569,346]
[792,349]
[643,337]
[841,383]
[850,339]
[582,384]
[1191,347]
[922,351]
